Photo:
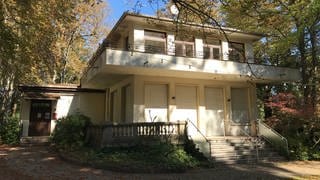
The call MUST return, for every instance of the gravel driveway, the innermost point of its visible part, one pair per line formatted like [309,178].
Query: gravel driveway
[40,162]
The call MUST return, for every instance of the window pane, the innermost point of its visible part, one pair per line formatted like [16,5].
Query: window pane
[155,34]
[206,52]
[179,49]
[216,53]
[154,46]
[236,52]
[189,50]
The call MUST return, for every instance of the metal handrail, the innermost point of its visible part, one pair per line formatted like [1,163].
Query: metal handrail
[255,143]
[204,137]
[283,147]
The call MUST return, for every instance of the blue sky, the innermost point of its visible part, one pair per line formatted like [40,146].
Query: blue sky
[117,7]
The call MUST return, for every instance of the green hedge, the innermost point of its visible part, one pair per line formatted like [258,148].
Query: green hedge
[70,131]
[10,130]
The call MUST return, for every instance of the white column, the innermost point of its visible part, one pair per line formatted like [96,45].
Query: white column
[199,48]
[106,111]
[170,44]
[249,52]
[171,101]
[138,100]
[138,39]
[225,50]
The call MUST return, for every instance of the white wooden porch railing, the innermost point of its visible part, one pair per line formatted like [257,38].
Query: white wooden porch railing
[128,134]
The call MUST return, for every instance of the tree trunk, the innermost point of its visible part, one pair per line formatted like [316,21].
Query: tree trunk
[314,72]
[303,63]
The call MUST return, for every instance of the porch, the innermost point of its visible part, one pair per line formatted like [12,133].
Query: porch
[136,133]
[267,146]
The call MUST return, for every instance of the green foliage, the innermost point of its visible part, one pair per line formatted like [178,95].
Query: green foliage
[45,42]
[191,149]
[300,133]
[161,157]
[70,131]
[10,130]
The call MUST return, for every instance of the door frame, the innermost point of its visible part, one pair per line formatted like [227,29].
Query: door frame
[224,103]
[31,117]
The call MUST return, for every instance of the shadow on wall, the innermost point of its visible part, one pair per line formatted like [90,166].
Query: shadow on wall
[87,103]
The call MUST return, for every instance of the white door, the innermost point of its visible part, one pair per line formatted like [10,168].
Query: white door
[214,112]
[186,106]
[240,117]
[239,105]
[156,103]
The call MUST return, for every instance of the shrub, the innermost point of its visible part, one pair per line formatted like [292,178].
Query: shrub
[162,157]
[190,148]
[10,130]
[70,131]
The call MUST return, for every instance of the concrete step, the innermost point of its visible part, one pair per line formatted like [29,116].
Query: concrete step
[35,140]
[230,153]
[242,150]
[233,147]
[232,158]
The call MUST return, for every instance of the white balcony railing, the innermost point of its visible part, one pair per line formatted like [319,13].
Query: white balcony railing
[113,55]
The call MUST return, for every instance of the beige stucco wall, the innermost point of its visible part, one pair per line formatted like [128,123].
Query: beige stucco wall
[233,129]
[90,104]
[118,87]
[93,106]
[25,115]
[67,104]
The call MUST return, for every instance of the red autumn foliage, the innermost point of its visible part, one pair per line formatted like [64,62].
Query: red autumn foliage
[288,104]
[283,102]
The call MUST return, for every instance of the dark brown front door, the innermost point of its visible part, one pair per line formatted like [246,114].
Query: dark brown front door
[40,118]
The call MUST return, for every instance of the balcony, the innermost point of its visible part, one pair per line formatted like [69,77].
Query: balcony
[116,62]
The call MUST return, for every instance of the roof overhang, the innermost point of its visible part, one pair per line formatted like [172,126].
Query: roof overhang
[128,17]
[50,89]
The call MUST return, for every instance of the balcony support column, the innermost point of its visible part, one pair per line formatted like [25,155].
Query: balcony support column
[199,48]
[225,50]
[138,39]
[170,44]
[249,52]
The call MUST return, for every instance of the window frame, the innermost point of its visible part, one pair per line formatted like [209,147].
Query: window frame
[184,48]
[151,38]
[242,55]
[211,54]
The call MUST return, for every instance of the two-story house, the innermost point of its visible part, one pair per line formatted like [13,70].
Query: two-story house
[152,69]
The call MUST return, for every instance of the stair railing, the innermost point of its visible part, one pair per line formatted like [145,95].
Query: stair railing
[206,152]
[254,142]
[273,137]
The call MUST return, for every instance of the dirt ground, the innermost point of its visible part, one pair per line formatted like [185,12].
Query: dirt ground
[40,162]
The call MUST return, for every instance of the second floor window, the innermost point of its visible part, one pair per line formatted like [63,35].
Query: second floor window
[155,42]
[237,52]
[184,48]
[212,50]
